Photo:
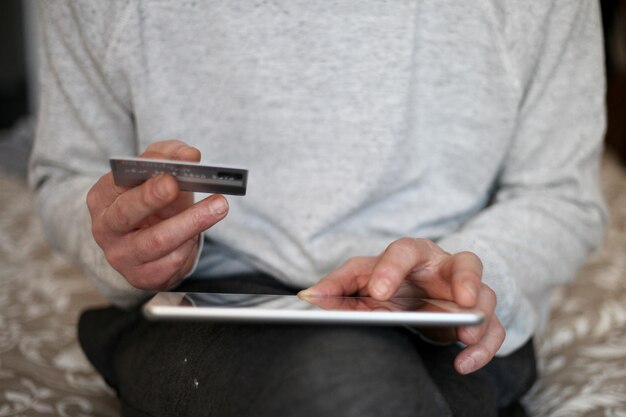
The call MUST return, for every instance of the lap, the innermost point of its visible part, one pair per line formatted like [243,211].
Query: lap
[204,369]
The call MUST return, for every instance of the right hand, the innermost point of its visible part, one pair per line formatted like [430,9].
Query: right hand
[150,233]
[420,268]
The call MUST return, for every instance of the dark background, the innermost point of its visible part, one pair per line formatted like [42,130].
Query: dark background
[17,79]
[614,20]
[13,93]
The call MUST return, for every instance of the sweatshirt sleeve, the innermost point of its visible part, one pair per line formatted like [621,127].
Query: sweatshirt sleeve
[84,117]
[547,213]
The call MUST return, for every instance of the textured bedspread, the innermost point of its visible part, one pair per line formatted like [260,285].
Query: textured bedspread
[43,372]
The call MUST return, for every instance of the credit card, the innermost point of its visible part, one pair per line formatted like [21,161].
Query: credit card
[130,172]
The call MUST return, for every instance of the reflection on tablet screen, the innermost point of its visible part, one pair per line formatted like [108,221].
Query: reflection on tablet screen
[292,302]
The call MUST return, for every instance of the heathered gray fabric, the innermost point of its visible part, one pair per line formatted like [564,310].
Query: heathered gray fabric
[477,124]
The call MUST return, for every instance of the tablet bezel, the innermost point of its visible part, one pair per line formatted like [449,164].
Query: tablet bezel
[167,306]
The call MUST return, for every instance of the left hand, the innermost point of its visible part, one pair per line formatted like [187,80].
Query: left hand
[419,268]
[150,233]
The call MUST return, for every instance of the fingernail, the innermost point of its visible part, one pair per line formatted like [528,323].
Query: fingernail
[305,293]
[466,366]
[219,206]
[472,363]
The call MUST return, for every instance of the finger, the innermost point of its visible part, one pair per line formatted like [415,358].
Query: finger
[348,279]
[165,149]
[476,356]
[398,261]
[471,335]
[165,272]
[172,149]
[465,270]
[130,208]
[188,153]
[103,193]
[182,153]
[157,241]
[335,303]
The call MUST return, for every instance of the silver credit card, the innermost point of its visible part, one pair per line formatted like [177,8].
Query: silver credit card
[130,172]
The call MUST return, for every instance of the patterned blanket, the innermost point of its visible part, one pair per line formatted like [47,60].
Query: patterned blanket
[43,372]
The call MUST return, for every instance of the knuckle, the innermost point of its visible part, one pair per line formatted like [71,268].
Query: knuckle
[489,291]
[152,154]
[426,243]
[163,147]
[178,260]
[171,143]
[156,146]
[156,243]
[472,257]
[406,247]
[406,242]
[353,262]
[97,230]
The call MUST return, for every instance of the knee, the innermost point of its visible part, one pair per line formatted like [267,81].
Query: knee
[355,372]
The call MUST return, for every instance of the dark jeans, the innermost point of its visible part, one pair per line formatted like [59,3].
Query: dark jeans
[217,369]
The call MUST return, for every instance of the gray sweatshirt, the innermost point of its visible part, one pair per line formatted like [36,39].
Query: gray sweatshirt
[477,124]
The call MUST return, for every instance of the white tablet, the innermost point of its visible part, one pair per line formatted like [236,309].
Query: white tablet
[293,309]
